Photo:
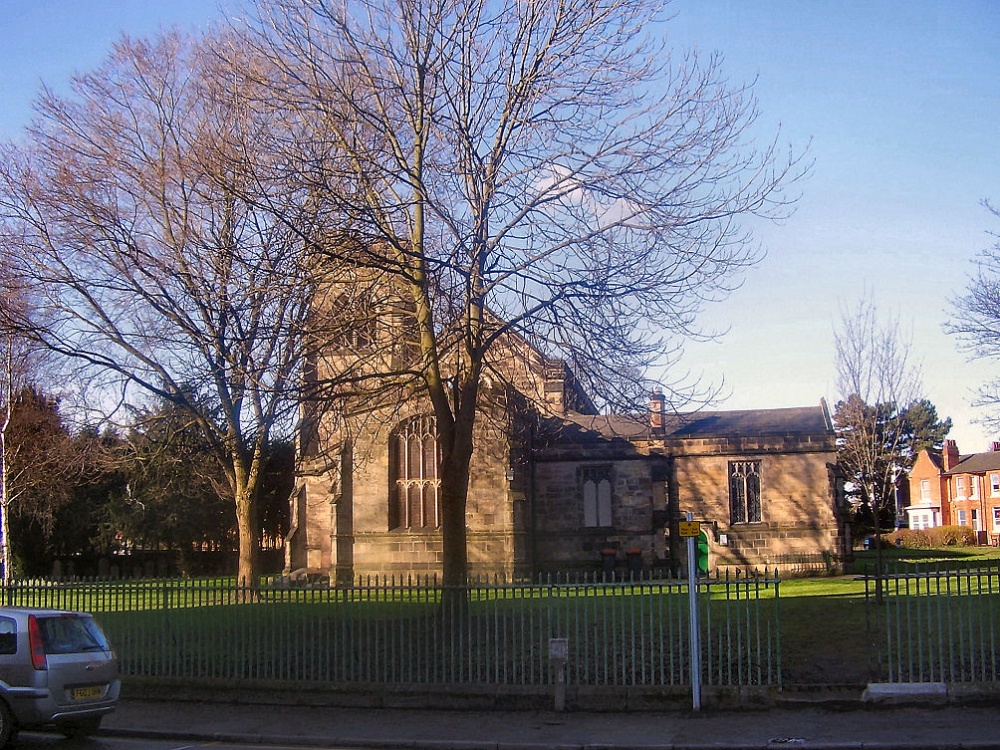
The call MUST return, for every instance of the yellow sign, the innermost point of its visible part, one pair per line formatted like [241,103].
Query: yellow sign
[689,528]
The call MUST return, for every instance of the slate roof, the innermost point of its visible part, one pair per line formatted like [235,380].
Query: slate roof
[802,420]
[977,463]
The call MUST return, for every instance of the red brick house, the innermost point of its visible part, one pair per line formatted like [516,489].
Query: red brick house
[949,489]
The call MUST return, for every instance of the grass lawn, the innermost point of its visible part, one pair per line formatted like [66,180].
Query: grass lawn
[823,631]
[824,626]
[940,556]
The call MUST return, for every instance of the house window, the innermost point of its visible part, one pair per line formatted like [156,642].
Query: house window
[925,489]
[996,519]
[975,520]
[596,483]
[995,484]
[974,486]
[744,491]
[415,483]
[960,488]
[962,518]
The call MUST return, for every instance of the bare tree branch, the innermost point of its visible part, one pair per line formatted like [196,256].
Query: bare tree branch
[544,169]
[160,280]
[976,322]
[880,386]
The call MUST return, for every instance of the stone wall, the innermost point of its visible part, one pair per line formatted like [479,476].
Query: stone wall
[342,513]
[525,510]
[564,542]
[798,506]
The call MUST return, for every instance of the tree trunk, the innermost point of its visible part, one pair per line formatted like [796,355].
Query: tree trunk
[4,518]
[247,570]
[457,450]
[454,500]
[8,407]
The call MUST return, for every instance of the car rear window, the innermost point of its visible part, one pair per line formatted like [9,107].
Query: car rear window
[71,634]
[8,636]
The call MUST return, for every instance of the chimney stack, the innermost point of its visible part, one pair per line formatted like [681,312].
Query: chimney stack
[950,455]
[656,411]
[995,446]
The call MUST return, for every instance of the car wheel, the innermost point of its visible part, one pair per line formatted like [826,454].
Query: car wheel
[8,727]
[81,727]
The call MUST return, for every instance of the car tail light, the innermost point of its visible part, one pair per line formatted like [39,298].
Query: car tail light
[38,660]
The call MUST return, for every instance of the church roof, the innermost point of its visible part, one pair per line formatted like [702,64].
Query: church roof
[803,420]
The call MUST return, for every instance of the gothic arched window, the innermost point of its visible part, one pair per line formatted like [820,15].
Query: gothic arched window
[744,492]
[596,483]
[414,481]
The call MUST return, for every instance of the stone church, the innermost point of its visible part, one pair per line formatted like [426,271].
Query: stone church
[557,487]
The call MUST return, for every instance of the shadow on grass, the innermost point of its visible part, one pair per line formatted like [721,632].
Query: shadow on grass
[958,553]
[824,623]
[940,558]
[824,632]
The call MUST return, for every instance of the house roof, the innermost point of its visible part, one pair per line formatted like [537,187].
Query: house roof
[977,463]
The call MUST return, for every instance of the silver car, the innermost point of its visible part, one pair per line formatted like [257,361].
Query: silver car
[57,670]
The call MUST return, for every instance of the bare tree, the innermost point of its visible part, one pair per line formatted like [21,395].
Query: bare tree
[135,207]
[878,382]
[546,168]
[9,372]
[15,368]
[976,322]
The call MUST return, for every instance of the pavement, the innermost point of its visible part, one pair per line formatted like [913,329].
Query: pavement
[911,722]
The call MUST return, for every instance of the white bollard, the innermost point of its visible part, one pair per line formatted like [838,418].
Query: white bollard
[559,656]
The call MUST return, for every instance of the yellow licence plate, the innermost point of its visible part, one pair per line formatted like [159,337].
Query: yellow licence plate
[86,693]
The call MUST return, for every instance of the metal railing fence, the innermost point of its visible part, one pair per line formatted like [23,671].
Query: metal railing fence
[386,631]
[935,623]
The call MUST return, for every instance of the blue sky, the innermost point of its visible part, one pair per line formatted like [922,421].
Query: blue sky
[899,102]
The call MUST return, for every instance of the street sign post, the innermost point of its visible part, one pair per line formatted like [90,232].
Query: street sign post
[691,530]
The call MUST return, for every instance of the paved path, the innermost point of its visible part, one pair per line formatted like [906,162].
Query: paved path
[807,727]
